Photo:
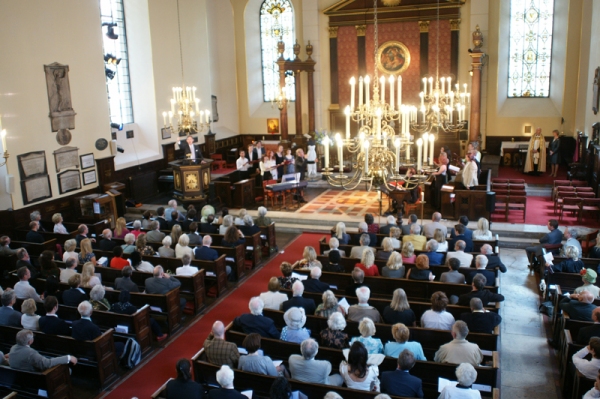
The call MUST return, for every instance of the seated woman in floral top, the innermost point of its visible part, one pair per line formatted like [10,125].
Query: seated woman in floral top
[367,330]
[295,318]
[286,280]
[334,336]
[329,305]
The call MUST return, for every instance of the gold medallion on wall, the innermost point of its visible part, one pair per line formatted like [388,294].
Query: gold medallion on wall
[393,58]
[192,181]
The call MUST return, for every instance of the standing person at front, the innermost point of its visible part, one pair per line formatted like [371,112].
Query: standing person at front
[300,167]
[440,179]
[470,172]
[536,154]
[190,150]
[553,150]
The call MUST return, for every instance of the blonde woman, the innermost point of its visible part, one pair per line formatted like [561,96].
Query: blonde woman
[483,230]
[166,251]
[399,311]
[440,237]
[227,221]
[367,263]
[70,246]
[129,245]
[408,253]
[329,305]
[388,248]
[367,330]
[401,333]
[88,276]
[182,247]
[395,234]
[340,234]
[59,228]
[309,260]
[394,267]
[239,220]
[86,254]
[29,319]
[142,247]
[120,229]
[176,232]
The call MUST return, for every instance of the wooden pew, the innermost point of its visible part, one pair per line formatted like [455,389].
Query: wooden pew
[98,354]
[20,234]
[34,249]
[161,393]
[93,228]
[56,381]
[269,242]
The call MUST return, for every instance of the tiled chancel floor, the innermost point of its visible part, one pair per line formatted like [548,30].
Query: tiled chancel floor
[529,368]
[340,202]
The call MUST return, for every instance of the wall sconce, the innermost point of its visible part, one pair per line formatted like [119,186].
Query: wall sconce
[110,74]
[110,32]
[111,59]
[118,126]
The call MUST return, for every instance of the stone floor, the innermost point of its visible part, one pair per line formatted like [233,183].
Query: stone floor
[529,368]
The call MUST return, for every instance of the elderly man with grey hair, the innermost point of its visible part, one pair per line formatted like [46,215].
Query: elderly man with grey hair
[218,350]
[36,216]
[494,260]
[391,222]
[313,284]
[298,301]
[459,253]
[161,283]
[479,320]
[255,322]
[429,228]
[466,376]
[84,329]
[459,350]
[69,270]
[225,379]
[570,234]
[481,262]
[363,228]
[249,228]
[22,357]
[155,235]
[363,309]
[418,241]
[172,206]
[364,243]
[263,220]
[306,368]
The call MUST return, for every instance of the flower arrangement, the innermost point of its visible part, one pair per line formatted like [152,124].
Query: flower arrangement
[320,136]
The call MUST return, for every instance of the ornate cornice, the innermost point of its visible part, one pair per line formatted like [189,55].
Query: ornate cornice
[455,24]
[424,26]
[333,32]
[361,30]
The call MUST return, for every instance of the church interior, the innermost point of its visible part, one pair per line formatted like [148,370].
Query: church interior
[450,111]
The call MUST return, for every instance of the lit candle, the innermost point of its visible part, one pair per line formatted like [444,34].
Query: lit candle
[449,79]
[399,91]
[180,115]
[352,88]
[397,145]
[430,86]
[197,101]
[382,84]
[366,146]
[347,112]
[442,80]
[326,145]
[422,196]
[407,153]
[425,142]
[173,105]
[367,92]
[419,154]
[425,85]
[340,146]
[431,140]
[422,95]
[3,134]
[465,86]
[164,119]
[391,80]
[360,91]
[378,122]
[170,118]
[207,113]
[194,91]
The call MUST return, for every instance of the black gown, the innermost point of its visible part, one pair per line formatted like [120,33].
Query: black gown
[279,161]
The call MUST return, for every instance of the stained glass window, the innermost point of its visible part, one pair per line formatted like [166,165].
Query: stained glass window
[116,61]
[531,24]
[276,23]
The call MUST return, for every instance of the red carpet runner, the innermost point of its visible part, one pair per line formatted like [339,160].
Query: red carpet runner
[148,378]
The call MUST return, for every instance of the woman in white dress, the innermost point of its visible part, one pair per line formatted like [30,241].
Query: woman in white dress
[483,230]
[357,374]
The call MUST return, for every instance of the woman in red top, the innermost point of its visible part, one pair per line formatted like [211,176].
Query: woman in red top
[118,262]
[367,263]
[372,226]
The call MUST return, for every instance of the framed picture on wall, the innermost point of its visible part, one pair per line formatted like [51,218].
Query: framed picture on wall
[86,161]
[166,133]
[273,125]
[215,111]
[393,58]
[89,177]
[595,94]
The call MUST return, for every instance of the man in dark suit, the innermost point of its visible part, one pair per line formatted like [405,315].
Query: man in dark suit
[51,323]
[480,292]
[298,301]
[84,329]
[358,278]
[9,316]
[259,151]
[255,322]
[175,216]
[363,228]
[209,227]
[82,234]
[125,283]
[412,219]
[579,306]
[75,295]
[391,222]
[225,379]
[107,244]
[191,150]
[585,333]
[190,218]
[479,320]
[161,283]
[460,235]
[193,235]
[494,261]
[467,232]
[555,236]
[249,228]
[480,264]
[313,284]
[399,382]
[205,252]
[160,218]
[33,235]
[25,260]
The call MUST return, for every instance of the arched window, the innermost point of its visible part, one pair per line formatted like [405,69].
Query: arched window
[116,61]
[276,23]
[531,23]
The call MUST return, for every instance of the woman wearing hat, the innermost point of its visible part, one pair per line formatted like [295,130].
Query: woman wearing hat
[588,276]
[294,318]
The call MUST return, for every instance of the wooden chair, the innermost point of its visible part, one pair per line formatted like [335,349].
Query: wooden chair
[501,192]
[499,186]
[586,195]
[512,186]
[517,192]
[588,241]
[218,161]
[562,189]
[268,194]
[516,181]
[579,183]
[410,208]
[559,198]
[516,203]
[501,206]
[497,180]
[583,189]
[570,204]
[590,205]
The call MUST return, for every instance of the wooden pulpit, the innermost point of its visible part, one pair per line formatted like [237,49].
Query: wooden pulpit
[191,179]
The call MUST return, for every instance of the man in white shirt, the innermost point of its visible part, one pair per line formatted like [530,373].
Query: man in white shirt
[68,271]
[470,172]
[430,228]
[191,150]
[23,290]
[589,368]
[186,269]
[273,298]
[242,162]
[459,253]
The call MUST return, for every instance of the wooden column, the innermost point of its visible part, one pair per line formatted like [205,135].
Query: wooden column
[454,31]
[361,31]
[283,120]
[298,103]
[424,47]
[311,102]
[333,67]
[477,57]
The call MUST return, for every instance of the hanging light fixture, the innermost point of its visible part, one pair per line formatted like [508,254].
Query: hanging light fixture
[185,106]
[383,142]
[443,106]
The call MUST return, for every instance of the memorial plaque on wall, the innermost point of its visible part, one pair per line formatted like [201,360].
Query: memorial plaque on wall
[36,189]
[69,181]
[32,164]
[66,157]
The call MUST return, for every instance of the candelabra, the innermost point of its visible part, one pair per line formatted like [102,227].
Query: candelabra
[187,105]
